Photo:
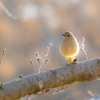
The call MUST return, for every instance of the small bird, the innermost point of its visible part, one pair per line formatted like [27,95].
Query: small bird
[69,47]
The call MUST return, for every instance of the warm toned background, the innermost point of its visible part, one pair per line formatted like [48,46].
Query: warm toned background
[40,22]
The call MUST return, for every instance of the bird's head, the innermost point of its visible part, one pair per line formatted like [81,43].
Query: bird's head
[68,35]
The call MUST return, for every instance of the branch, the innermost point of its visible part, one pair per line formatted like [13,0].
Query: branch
[88,70]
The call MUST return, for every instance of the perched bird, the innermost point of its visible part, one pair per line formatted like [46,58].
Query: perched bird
[69,47]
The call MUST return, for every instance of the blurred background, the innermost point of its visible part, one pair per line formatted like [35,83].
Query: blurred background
[29,27]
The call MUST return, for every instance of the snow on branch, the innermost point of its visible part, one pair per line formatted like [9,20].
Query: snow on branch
[42,82]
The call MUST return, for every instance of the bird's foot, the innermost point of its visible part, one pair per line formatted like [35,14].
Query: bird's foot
[74,60]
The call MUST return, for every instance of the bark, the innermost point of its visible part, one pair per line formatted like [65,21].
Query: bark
[88,70]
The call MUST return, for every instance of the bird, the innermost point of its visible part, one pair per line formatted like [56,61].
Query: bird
[69,47]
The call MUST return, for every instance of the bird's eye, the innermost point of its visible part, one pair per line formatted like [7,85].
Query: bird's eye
[68,35]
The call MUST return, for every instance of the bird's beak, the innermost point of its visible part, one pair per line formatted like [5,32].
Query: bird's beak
[63,34]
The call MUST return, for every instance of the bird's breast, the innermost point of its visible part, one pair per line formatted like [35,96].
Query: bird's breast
[69,48]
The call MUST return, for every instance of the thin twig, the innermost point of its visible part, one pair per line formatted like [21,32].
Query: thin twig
[89,92]
[46,54]
[82,47]
[3,53]
[31,62]
[7,11]
[71,95]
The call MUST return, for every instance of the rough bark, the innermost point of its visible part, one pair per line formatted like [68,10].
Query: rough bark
[88,70]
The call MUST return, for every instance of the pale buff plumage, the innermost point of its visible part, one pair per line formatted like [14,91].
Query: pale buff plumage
[69,47]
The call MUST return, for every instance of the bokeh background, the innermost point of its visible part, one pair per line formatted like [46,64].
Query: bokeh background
[35,24]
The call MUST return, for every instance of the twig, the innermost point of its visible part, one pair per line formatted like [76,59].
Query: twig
[82,47]
[31,62]
[94,97]
[46,54]
[71,95]
[7,11]
[89,92]
[3,53]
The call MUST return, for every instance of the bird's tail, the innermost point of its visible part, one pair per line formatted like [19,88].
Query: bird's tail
[70,60]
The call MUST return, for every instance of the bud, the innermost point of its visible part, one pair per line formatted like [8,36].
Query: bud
[37,54]
[46,61]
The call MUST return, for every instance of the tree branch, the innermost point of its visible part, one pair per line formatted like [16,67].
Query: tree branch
[88,70]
